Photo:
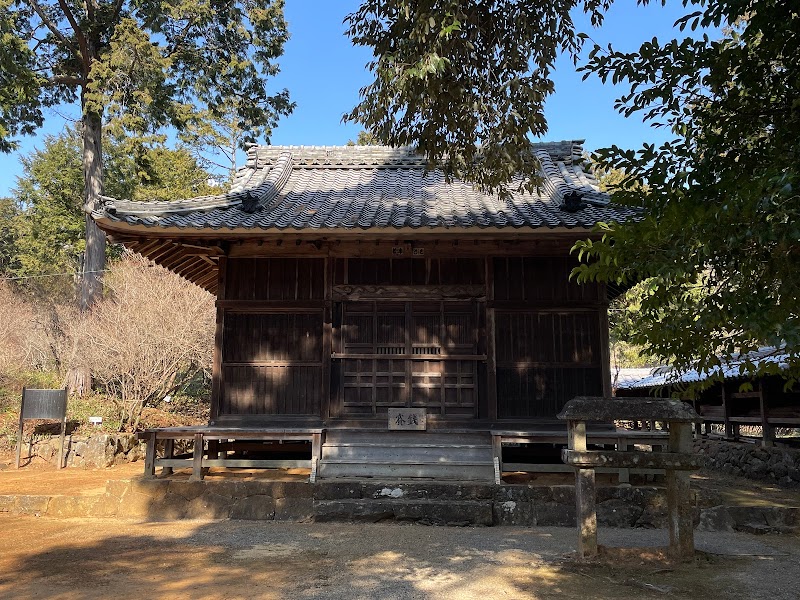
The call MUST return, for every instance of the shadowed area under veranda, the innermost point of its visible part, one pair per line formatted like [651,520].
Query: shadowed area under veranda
[236,559]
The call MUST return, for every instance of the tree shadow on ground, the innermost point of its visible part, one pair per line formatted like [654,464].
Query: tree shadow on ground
[236,559]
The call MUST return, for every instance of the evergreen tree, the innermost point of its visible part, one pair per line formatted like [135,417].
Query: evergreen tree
[142,63]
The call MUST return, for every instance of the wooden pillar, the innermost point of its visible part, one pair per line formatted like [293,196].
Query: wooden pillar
[491,357]
[150,456]
[20,430]
[169,452]
[327,341]
[679,495]
[624,473]
[726,410]
[767,433]
[197,458]
[217,380]
[584,494]
[605,351]
[61,441]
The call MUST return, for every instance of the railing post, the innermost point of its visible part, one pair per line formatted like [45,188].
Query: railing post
[584,494]
[679,495]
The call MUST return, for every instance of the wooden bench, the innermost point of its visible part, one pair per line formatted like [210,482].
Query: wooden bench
[218,439]
[619,437]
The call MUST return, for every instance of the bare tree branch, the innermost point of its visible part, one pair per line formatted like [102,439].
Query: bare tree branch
[68,80]
[47,21]
[79,34]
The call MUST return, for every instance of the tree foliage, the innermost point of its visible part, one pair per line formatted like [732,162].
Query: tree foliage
[146,62]
[42,226]
[465,81]
[719,240]
[141,64]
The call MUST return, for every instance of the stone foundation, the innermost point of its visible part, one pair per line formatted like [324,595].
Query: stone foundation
[96,451]
[780,465]
[424,503]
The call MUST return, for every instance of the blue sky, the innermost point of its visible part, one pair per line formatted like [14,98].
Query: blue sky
[324,72]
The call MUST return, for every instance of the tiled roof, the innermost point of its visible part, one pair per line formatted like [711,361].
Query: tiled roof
[351,187]
[735,369]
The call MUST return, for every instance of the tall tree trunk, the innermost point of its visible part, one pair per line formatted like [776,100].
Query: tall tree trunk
[95,258]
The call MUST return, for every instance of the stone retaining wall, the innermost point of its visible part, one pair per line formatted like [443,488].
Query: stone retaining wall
[780,465]
[95,451]
[424,503]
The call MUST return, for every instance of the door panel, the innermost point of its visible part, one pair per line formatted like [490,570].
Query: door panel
[435,345]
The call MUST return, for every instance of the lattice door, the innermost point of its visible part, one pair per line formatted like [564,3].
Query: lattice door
[396,354]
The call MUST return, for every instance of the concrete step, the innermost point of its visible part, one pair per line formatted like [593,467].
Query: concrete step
[392,470]
[432,512]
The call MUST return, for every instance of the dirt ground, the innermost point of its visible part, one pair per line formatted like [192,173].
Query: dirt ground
[66,559]
[41,478]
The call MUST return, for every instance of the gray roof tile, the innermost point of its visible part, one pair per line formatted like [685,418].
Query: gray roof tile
[348,187]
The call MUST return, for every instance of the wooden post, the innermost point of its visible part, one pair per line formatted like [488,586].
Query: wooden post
[726,410]
[767,434]
[150,456]
[605,351]
[21,429]
[584,494]
[169,452]
[61,441]
[491,358]
[327,342]
[679,496]
[217,375]
[624,474]
[197,458]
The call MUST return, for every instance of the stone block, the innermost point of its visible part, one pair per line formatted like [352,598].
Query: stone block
[31,505]
[154,488]
[514,493]
[333,490]
[294,509]
[253,508]
[169,508]
[563,494]
[555,514]
[105,506]
[7,504]
[511,512]
[208,506]
[716,518]
[189,490]
[69,507]
[618,513]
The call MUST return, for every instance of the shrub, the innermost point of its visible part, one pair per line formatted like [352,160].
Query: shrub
[149,338]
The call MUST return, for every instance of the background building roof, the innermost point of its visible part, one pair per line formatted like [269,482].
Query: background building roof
[735,369]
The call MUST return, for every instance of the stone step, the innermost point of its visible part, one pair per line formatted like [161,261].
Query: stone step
[432,512]
[383,437]
[392,470]
[416,453]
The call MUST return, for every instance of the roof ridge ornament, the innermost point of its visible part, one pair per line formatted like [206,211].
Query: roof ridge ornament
[572,202]
[274,180]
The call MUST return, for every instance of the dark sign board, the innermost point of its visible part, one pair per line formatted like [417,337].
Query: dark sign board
[44,404]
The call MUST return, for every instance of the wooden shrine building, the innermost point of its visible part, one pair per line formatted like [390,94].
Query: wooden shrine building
[353,286]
